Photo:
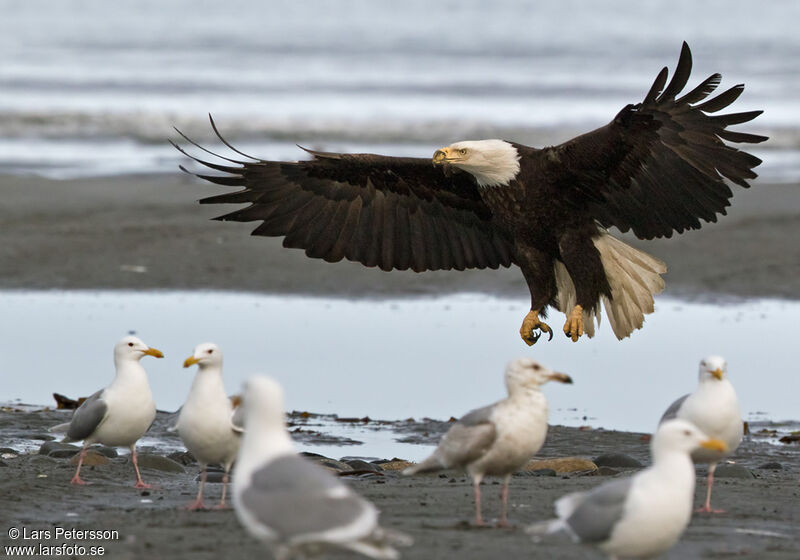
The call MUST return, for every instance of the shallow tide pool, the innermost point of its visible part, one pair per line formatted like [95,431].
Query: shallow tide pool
[396,359]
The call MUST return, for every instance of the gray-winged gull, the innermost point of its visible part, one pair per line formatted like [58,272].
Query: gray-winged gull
[205,421]
[643,515]
[121,413]
[294,506]
[498,439]
[714,408]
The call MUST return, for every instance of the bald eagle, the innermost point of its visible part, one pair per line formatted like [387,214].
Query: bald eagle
[657,168]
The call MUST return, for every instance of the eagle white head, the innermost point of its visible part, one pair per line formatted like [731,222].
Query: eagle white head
[493,163]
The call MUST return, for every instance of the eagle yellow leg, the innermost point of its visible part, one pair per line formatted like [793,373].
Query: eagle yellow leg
[532,323]
[573,328]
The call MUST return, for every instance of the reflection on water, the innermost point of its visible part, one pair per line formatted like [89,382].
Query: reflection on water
[397,359]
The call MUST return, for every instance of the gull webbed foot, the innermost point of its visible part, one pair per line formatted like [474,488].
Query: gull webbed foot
[530,324]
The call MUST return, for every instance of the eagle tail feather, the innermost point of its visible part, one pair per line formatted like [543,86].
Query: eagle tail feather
[634,277]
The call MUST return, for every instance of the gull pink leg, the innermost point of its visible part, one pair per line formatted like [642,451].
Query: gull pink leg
[77,478]
[139,482]
[504,498]
[198,503]
[476,485]
[707,506]
[221,504]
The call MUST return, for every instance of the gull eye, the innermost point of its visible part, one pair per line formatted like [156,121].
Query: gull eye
[210,351]
[687,433]
[537,367]
[130,344]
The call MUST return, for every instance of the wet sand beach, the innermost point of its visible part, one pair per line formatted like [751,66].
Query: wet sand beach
[147,232]
[763,510]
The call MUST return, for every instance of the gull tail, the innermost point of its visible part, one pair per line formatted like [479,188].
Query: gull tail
[59,428]
[634,277]
[431,464]
[380,544]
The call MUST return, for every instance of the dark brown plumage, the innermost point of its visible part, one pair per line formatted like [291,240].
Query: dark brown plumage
[658,167]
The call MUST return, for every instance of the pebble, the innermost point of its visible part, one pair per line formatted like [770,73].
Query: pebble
[159,463]
[773,466]
[607,471]
[359,465]
[327,462]
[538,472]
[93,458]
[182,457]
[109,452]
[617,460]
[396,465]
[562,465]
[732,471]
[49,447]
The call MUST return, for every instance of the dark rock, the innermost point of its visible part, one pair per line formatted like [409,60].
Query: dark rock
[618,460]
[42,437]
[772,466]
[3,463]
[536,472]
[8,452]
[606,471]
[213,476]
[327,462]
[159,463]
[49,447]
[109,452]
[182,457]
[359,465]
[92,459]
[732,471]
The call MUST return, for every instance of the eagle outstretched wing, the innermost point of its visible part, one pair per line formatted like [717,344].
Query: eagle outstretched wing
[659,166]
[390,212]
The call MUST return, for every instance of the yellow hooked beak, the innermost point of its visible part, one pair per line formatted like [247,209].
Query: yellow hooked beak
[561,377]
[190,361]
[715,445]
[440,156]
[154,352]
[717,373]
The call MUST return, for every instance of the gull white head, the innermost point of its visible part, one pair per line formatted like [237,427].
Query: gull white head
[205,355]
[263,403]
[492,162]
[713,368]
[527,373]
[680,436]
[132,349]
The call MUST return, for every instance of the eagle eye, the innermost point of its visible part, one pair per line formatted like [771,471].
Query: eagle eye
[463,151]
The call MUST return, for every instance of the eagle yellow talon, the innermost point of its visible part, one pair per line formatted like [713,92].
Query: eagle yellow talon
[573,328]
[532,323]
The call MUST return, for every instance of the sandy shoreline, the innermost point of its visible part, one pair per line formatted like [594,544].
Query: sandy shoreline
[763,511]
[147,232]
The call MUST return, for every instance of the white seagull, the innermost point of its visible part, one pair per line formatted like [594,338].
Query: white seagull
[643,515]
[713,408]
[498,439]
[205,422]
[294,506]
[121,413]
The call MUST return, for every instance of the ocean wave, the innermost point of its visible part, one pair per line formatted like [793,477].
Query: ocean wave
[156,127]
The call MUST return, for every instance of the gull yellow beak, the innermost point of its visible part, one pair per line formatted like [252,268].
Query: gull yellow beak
[154,352]
[439,156]
[561,377]
[717,373]
[715,445]
[190,361]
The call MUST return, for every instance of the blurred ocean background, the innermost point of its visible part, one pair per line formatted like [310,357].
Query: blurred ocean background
[91,87]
